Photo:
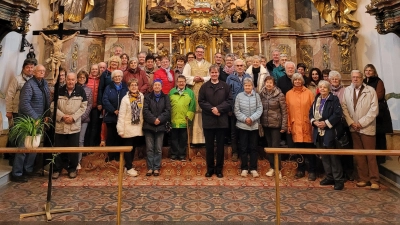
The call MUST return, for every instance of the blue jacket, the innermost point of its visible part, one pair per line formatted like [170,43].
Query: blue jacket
[278,72]
[248,106]
[332,114]
[112,100]
[236,85]
[33,101]
[105,80]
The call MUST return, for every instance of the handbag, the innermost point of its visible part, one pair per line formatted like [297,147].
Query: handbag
[260,127]
[168,127]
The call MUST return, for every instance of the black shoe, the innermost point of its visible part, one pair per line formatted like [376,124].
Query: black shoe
[18,179]
[299,174]
[327,181]
[182,158]
[220,175]
[173,157]
[349,176]
[339,185]
[312,177]
[209,174]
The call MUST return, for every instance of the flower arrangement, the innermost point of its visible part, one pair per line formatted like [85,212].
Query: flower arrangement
[215,21]
[187,22]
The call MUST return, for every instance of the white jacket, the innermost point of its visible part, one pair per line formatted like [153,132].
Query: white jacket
[261,76]
[125,128]
[366,109]
[13,91]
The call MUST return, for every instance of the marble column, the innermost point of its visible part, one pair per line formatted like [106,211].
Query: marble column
[121,14]
[281,14]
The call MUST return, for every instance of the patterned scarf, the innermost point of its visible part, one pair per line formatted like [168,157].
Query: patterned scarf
[136,106]
[169,74]
[229,70]
[336,89]
[318,112]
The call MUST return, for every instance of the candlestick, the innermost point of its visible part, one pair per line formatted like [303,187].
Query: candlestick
[140,42]
[245,43]
[155,43]
[170,44]
[259,44]
[231,43]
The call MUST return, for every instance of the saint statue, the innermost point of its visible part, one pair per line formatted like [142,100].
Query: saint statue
[74,10]
[57,56]
[161,51]
[329,10]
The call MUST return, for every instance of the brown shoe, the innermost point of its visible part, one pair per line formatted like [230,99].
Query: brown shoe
[363,184]
[234,157]
[156,173]
[55,175]
[72,174]
[375,187]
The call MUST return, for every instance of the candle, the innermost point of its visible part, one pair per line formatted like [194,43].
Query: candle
[259,44]
[231,43]
[155,43]
[140,42]
[245,43]
[170,44]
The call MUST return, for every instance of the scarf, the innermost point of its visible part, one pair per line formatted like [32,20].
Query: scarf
[319,108]
[148,71]
[256,72]
[136,107]
[178,71]
[229,70]
[118,86]
[157,96]
[336,89]
[169,74]
[130,70]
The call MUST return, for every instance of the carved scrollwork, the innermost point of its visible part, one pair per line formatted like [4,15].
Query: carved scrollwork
[344,36]
[285,49]
[94,55]
[387,15]
[16,23]
[74,56]
[326,58]
[307,56]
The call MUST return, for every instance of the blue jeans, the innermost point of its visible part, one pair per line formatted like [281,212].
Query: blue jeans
[23,162]
[154,141]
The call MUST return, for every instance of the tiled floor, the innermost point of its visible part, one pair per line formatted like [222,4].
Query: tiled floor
[207,204]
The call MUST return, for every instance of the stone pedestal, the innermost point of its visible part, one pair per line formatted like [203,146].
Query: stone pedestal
[121,14]
[281,14]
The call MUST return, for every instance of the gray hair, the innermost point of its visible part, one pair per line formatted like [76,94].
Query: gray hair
[325,84]
[72,73]
[248,80]
[238,60]
[133,59]
[142,52]
[335,73]
[276,50]
[297,76]
[283,55]
[115,72]
[230,55]
[290,62]
[200,46]
[356,71]
[256,57]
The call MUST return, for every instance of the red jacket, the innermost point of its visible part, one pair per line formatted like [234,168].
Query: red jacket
[93,83]
[140,75]
[162,75]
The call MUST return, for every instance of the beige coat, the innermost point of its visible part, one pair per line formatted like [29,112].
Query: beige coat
[69,106]
[366,109]
[13,91]
[261,76]
[125,127]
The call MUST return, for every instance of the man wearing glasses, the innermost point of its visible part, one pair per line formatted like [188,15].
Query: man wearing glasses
[196,73]
[235,81]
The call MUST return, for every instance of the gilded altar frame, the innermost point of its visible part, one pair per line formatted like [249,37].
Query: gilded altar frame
[256,6]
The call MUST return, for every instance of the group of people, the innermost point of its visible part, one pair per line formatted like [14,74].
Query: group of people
[133,101]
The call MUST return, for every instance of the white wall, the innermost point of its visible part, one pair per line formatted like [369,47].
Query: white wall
[11,60]
[384,52]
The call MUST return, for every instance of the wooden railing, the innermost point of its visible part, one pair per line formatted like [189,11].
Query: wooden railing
[311,151]
[47,211]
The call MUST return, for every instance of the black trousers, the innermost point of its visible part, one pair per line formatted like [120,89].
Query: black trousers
[210,135]
[113,139]
[128,156]
[312,159]
[68,161]
[248,146]
[92,137]
[179,139]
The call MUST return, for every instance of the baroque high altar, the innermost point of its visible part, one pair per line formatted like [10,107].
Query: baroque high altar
[319,33]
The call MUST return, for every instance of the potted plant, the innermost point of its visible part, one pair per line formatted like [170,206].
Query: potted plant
[28,130]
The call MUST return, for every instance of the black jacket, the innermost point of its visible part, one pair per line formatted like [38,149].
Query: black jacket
[270,66]
[153,110]
[285,84]
[332,112]
[215,95]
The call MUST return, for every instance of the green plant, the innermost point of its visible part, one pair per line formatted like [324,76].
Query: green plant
[27,126]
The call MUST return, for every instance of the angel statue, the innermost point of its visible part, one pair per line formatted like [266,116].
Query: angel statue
[329,10]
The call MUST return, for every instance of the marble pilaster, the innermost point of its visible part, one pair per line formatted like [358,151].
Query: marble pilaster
[121,14]
[281,14]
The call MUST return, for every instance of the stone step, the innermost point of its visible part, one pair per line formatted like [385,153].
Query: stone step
[5,171]
[390,170]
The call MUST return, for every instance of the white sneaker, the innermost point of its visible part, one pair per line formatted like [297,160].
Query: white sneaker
[280,175]
[244,173]
[270,172]
[79,166]
[132,172]
[254,173]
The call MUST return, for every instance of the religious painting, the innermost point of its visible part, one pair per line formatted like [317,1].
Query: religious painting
[167,15]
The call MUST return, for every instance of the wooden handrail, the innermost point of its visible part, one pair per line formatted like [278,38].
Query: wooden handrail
[317,151]
[321,151]
[120,149]
[67,149]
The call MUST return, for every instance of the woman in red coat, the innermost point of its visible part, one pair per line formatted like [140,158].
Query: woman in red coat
[166,75]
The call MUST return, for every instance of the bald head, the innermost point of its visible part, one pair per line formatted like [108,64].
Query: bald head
[39,71]
[71,81]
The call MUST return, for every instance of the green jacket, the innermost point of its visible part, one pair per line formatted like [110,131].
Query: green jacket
[182,106]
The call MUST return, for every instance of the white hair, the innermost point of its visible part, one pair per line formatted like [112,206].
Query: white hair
[289,62]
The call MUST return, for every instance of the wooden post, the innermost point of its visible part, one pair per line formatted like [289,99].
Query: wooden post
[277,191]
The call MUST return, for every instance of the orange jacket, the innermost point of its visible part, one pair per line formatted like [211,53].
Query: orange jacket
[299,101]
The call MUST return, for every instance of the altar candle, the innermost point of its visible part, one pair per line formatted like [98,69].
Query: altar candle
[231,43]
[170,44]
[245,43]
[155,43]
[259,44]
[140,42]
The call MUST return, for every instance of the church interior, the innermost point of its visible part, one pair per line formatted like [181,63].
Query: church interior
[341,35]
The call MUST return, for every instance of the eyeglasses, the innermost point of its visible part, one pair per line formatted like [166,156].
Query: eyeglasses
[81,77]
[356,77]
[190,57]
[239,65]
[199,51]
